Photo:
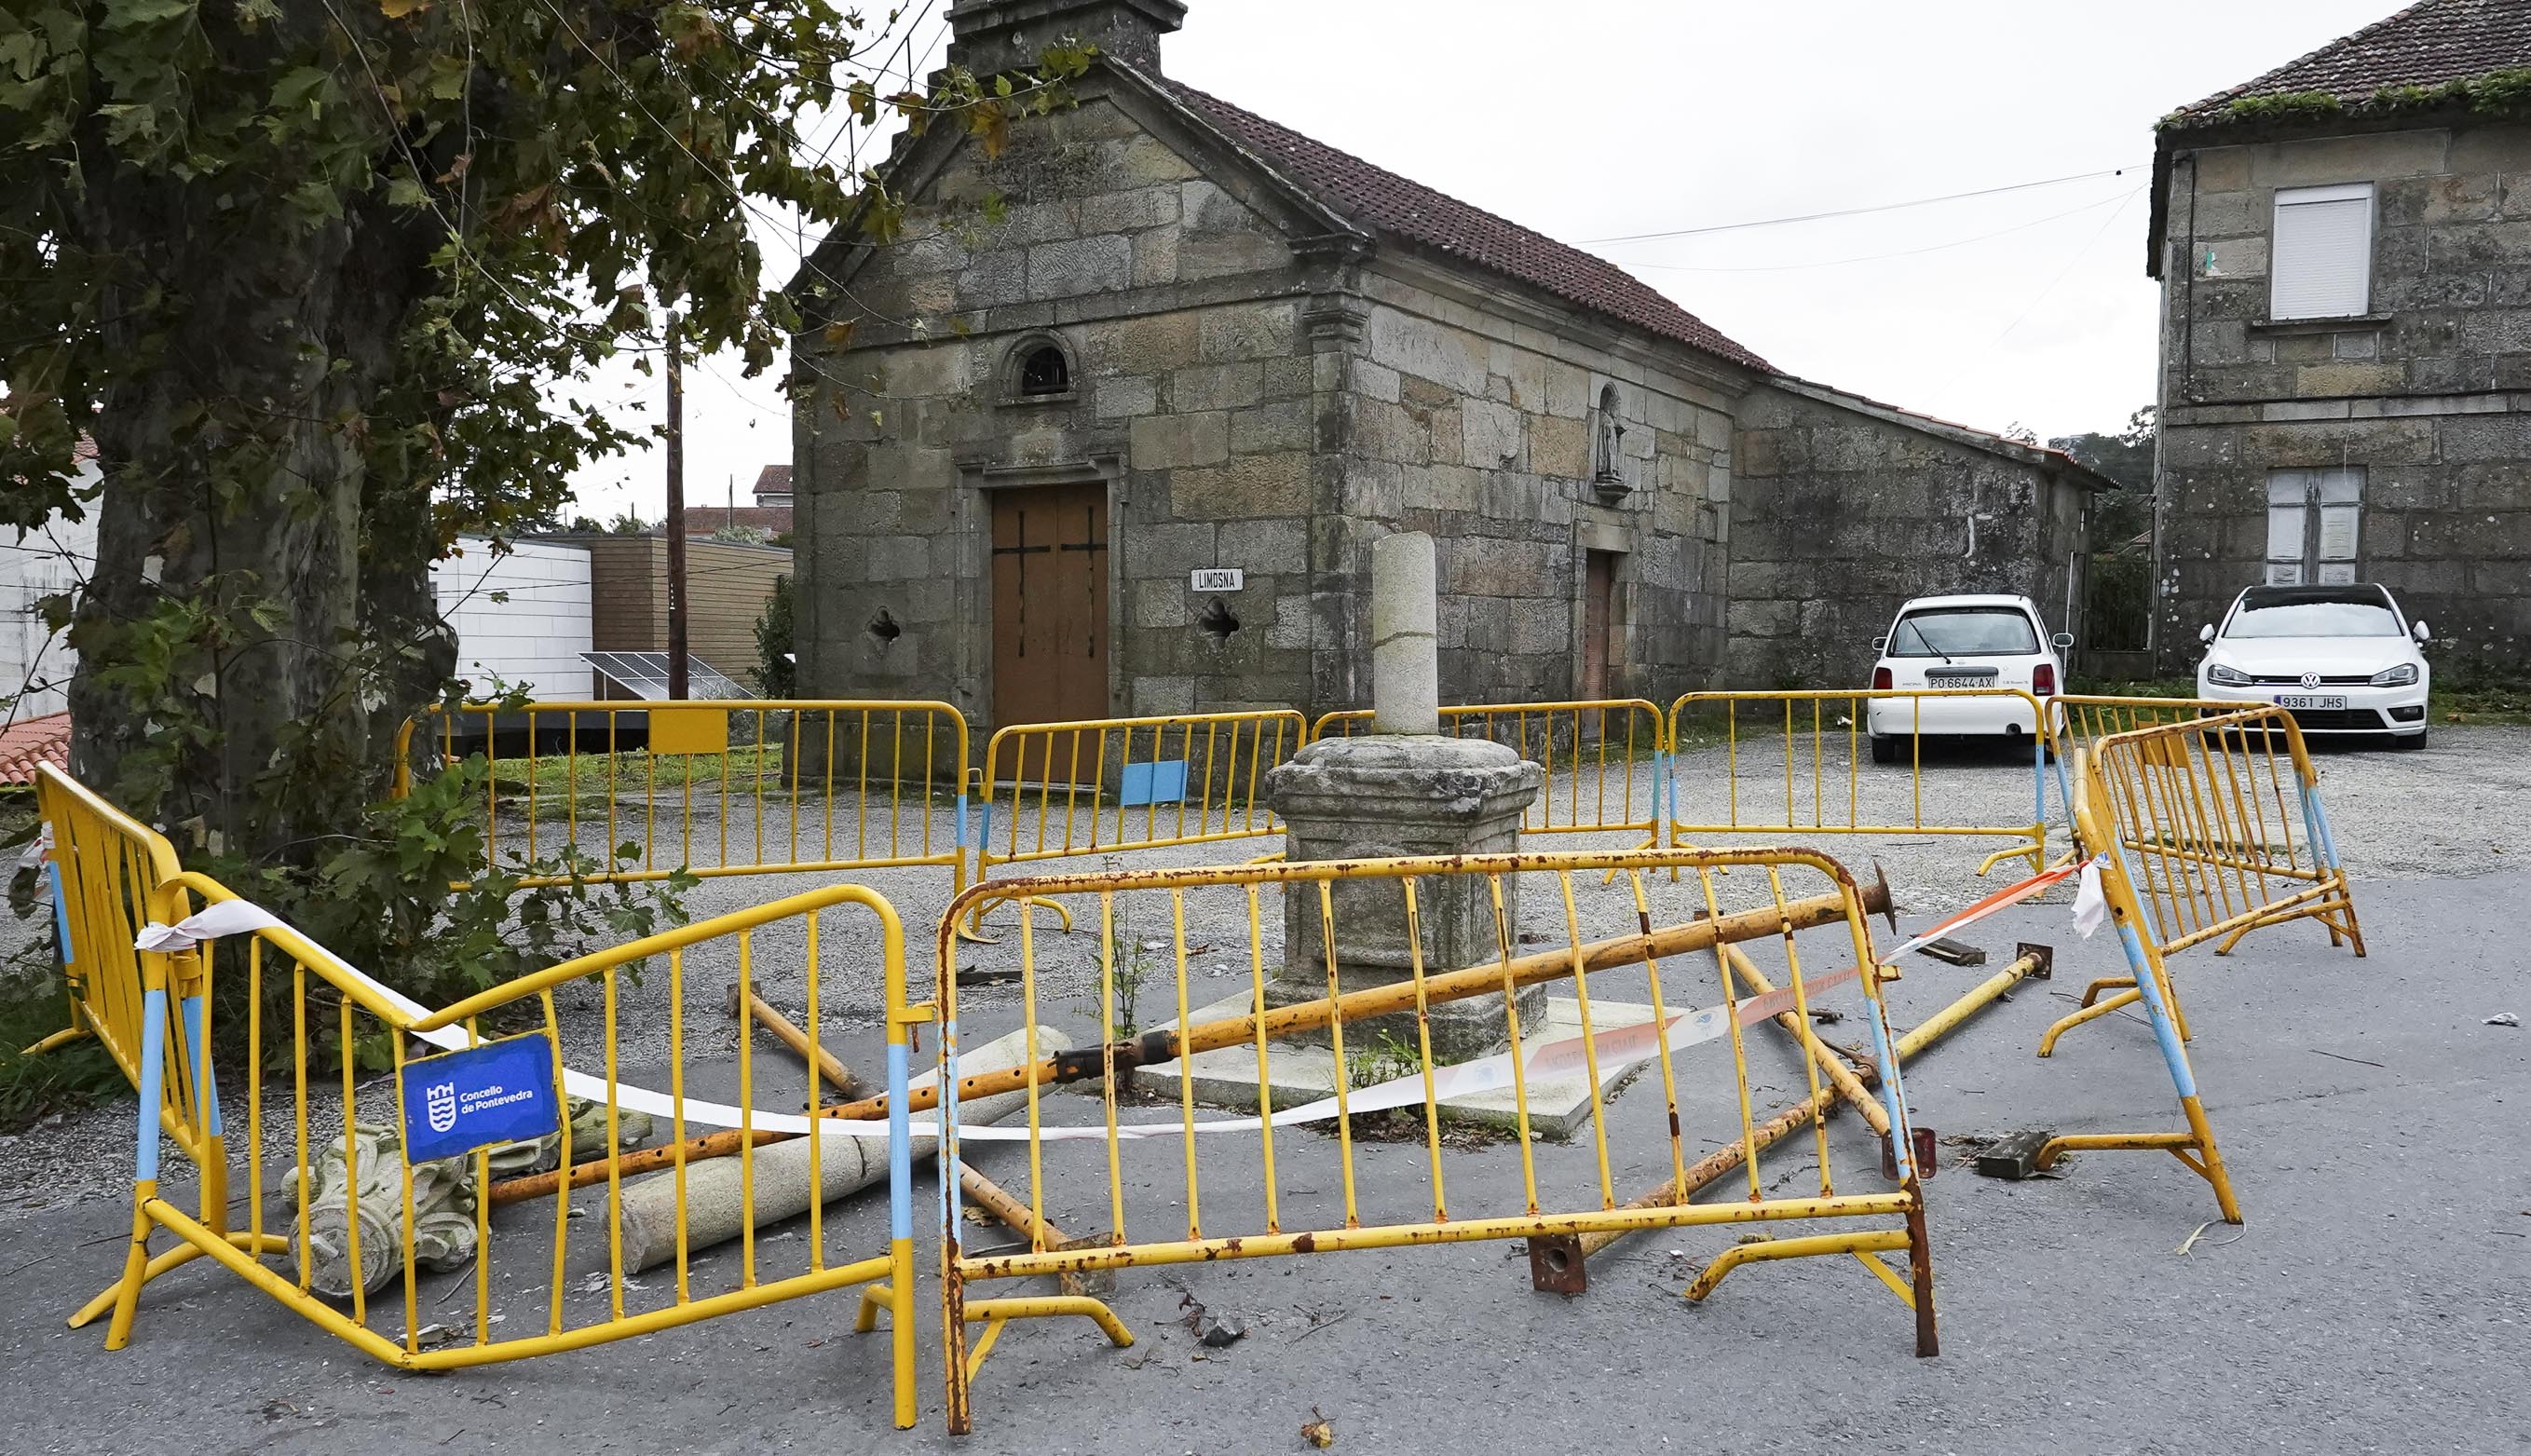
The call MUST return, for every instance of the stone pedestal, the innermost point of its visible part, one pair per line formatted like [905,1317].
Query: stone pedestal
[1385,797]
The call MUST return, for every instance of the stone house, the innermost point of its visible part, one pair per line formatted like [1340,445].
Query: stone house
[2345,251]
[1110,426]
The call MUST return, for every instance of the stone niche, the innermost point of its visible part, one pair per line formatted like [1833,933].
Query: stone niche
[1391,796]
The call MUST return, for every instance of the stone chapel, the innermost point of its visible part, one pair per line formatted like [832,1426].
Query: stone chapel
[1110,429]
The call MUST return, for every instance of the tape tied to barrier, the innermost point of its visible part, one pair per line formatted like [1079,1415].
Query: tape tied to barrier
[1564,1056]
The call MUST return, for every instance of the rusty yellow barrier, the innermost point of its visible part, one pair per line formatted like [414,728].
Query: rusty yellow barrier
[338,1057]
[709,788]
[1606,759]
[2218,832]
[2097,835]
[1373,1051]
[1793,765]
[2076,722]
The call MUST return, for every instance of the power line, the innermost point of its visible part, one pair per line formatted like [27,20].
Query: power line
[2032,305]
[1873,258]
[1771,222]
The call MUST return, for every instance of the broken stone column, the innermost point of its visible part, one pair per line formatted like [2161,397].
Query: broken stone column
[1405,635]
[1402,790]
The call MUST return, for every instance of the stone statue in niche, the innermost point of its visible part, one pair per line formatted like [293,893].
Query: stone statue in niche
[1611,442]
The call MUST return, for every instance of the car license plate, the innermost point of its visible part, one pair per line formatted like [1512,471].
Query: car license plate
[2316,704]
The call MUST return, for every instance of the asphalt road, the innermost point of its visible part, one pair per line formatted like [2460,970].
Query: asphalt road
[2378,1298]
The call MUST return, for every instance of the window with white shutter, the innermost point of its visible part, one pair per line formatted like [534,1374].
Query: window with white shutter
[2314,525]
[2320,258]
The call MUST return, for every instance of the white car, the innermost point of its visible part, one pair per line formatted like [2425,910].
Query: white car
[1962,642]
[2343,659]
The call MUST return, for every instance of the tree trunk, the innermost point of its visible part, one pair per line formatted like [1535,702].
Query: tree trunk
[260,619]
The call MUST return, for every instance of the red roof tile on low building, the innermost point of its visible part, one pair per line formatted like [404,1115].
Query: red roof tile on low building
[1380,199]
[32,741]
[2426,44]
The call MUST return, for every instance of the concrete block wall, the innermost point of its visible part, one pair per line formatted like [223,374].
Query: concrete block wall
[1839,517]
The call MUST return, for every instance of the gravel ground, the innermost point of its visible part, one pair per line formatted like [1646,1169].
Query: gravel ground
[2455,809]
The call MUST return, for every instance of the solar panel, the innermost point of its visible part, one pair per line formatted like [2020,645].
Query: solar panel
[645,676]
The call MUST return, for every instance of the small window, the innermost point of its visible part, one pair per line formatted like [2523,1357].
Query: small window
[2315,526]
[1608,447]
[1045,371]
[2320,253]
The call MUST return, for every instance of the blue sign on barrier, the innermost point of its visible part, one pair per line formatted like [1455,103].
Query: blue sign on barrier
[502,1092]
[1164,782]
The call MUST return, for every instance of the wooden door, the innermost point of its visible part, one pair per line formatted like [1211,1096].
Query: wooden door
[1049,605]
[1599,580]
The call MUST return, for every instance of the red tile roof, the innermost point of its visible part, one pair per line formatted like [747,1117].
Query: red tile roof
[2426,44]
[773,480]
[31,740]
[702,521]
[1381,201]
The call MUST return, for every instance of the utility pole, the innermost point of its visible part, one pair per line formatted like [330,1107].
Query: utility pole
[676,524]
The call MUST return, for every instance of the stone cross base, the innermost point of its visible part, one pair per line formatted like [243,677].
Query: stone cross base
[1388,797]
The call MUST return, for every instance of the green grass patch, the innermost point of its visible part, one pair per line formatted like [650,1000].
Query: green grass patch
[747,770]
[2484,704]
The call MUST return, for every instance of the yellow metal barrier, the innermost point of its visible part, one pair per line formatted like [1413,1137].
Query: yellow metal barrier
[2076,722]
[112,877]
[1360,1050]
[324,1031]
[741,787]
[1606,759]
[2216,833]
[1793,764]
[1105,785]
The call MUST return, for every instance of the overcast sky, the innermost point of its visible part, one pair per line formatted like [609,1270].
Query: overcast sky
[1599,119]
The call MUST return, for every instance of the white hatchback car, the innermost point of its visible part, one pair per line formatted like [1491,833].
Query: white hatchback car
[2343,659]
[1962,642]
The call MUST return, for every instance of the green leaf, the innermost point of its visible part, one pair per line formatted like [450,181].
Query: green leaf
[134,14]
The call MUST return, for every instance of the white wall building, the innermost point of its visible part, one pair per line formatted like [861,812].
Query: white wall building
[534,633]
[54,559]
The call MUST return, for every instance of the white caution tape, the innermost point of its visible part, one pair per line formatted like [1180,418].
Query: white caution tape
[2091,902]
[2011,894]
[1564,1056]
